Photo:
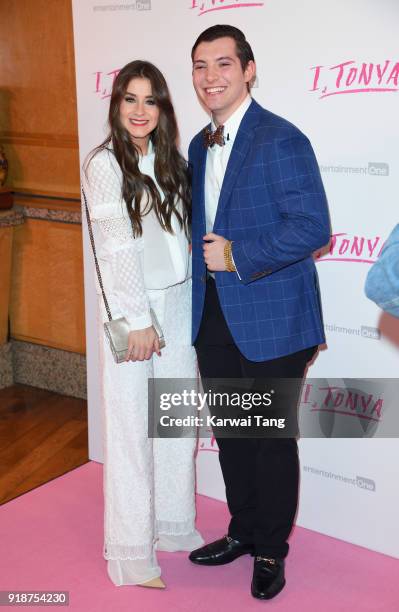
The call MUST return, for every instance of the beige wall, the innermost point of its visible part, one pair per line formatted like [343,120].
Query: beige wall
[47,299]
[38,124]
[38,130]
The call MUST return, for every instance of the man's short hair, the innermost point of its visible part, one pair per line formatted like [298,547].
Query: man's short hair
[243,48]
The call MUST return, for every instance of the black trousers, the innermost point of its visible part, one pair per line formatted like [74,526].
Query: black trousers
[261,475]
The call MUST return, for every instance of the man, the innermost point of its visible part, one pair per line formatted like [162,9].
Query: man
[259,212]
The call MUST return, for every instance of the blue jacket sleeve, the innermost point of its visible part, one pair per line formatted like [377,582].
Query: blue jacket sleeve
[382,283]
[295,187]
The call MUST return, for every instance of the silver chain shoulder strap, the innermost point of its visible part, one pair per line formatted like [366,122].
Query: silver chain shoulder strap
[93,246]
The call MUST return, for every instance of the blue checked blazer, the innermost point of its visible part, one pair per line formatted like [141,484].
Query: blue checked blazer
[273,207]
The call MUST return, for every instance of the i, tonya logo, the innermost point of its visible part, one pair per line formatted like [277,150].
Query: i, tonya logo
[103,82]
[346,401]
[208,6]
[355,249]
[352,77]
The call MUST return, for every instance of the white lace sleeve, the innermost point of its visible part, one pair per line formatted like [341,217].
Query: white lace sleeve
[118,251]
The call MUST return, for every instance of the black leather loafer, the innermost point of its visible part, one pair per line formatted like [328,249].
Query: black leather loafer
[268,578]
[220,552]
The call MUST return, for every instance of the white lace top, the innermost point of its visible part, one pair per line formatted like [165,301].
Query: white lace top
[130,266]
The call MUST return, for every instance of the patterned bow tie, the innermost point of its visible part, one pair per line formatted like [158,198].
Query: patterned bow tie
[216,137]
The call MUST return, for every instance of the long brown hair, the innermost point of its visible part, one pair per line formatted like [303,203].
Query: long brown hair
[170,167]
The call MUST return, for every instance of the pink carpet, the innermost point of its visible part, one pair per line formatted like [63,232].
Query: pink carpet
[51,539]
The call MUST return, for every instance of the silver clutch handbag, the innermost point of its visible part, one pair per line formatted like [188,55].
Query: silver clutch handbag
[117,330]
[117,333]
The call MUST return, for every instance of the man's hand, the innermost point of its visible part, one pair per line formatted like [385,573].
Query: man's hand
[214,252]
[142,344]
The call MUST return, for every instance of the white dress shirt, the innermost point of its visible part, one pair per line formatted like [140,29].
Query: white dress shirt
[166,256]
[216,163]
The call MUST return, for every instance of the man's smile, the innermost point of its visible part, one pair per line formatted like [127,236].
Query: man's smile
[212,91]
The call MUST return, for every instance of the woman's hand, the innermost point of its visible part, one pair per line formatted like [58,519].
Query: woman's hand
[141,344]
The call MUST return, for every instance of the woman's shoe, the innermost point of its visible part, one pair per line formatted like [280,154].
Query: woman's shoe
[155,583]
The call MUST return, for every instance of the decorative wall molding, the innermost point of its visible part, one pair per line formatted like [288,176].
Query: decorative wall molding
[36,139]
[51,214]
[49,368]
[6,373]
[10,218]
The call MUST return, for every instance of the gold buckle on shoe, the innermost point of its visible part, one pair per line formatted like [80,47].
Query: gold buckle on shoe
[271,561]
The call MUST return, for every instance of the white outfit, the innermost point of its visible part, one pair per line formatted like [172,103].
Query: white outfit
[148,483]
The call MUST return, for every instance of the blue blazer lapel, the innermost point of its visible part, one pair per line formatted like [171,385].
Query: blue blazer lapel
[201,181]
[239,152]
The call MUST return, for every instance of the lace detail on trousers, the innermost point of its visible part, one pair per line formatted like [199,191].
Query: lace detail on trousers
[174,527]
[136,551]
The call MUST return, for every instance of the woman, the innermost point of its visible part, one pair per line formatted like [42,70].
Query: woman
[139,200]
